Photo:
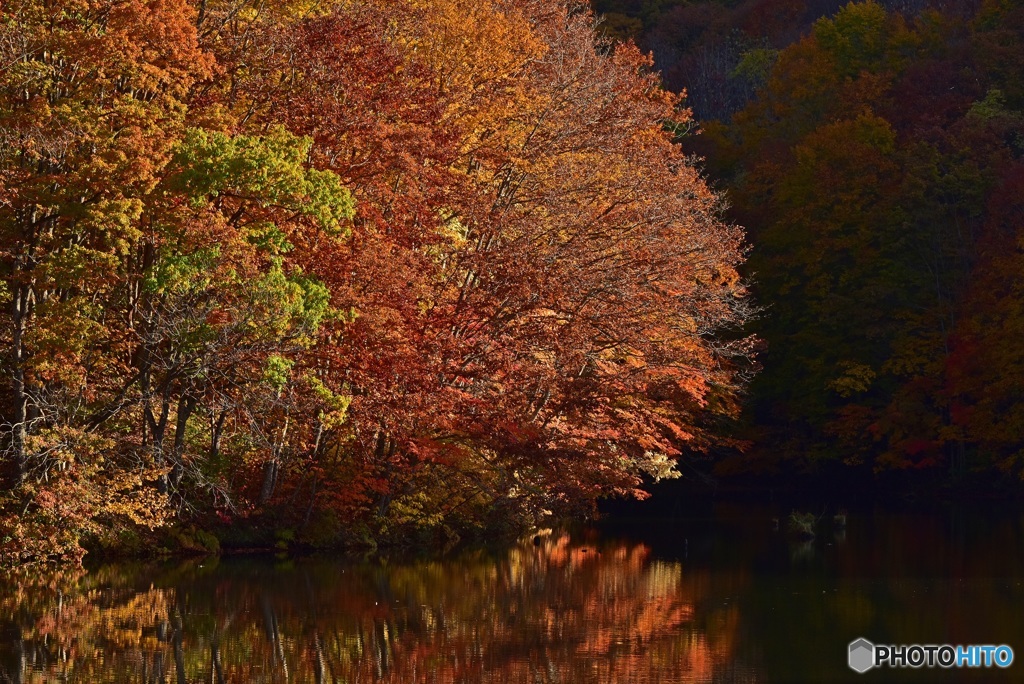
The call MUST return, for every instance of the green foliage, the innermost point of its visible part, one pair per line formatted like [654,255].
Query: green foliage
[336,405]
[178,274]
[286,306]
[755,65]
[270,169]
[856,39]
[278,371]
[993,106]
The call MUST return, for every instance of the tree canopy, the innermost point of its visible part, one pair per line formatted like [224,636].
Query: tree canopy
[365,270]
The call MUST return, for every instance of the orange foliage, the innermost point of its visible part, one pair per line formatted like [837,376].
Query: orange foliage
[385,266]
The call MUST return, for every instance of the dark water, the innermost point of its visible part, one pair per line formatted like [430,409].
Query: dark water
[718,597]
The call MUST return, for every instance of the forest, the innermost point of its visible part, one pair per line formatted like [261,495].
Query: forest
[356,273]
[371,272]
[873,152]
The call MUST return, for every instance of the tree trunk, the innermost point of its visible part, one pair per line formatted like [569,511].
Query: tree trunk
[157,429]
[19,311]
[270,469]
[186,405]
[215,435]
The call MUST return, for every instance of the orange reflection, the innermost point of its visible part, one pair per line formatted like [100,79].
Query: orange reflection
[557,611]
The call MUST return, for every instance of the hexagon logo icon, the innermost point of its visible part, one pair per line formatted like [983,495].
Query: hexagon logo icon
[862,655]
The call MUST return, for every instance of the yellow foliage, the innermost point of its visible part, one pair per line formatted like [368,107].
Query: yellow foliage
[854,378]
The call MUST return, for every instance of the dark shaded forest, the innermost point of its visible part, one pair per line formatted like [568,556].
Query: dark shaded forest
[873,153]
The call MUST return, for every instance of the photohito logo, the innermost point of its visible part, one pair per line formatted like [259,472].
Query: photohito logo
[864,655]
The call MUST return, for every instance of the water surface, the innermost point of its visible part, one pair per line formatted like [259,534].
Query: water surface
[716,597]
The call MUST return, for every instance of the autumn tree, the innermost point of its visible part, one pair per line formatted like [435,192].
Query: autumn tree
[360,270]
[143,259]
[93,100]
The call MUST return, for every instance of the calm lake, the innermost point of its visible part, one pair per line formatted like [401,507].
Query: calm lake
[717,596]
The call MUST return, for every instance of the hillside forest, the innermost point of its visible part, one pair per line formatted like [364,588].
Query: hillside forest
[873,151]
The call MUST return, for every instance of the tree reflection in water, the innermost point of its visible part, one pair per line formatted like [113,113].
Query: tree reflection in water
[713,599]
[558,611]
